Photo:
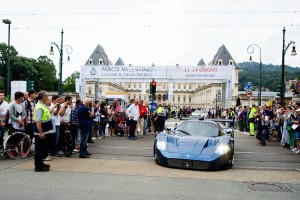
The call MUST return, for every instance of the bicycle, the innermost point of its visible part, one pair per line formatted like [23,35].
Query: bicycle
[69,147]
[273,135]
[16,146]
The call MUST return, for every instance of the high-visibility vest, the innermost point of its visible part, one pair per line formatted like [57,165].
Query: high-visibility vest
[160,111]
[46,113]
[252,112]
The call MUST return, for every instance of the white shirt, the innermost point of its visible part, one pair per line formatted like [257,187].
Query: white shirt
[67,116]
[133,111]
[56,118]
[3,109]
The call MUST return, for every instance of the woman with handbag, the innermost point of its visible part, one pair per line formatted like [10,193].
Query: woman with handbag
[103,119]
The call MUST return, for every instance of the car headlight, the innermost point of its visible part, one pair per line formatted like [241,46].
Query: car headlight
[161,145]
[222,149]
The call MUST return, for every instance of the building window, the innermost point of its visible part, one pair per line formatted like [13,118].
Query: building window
[184,99]
[179,86]
[190,86]
[220,62]
[134,85]
[100,61]
[90,61]
[173,99]
[164,97]
[159,97]
[90,90]
[178,99]
[190,99]
[184,87]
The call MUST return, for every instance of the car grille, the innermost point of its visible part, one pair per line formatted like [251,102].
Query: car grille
[192,164]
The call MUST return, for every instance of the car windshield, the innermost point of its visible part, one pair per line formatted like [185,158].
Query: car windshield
[199,129]
[198,112]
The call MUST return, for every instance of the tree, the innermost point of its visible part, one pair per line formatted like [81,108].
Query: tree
[69,84]
[46,74]
[42,70]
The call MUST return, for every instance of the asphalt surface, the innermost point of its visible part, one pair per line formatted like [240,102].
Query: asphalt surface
[123,169]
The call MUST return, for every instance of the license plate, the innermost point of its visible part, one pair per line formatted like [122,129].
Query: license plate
[187,163]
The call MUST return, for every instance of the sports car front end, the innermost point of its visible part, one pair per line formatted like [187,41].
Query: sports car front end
[194,152]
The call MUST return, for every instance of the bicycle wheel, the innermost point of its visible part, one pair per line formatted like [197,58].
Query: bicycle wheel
[273,135]
[68,144]
[17,145]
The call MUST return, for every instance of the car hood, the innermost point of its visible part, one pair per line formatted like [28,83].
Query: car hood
[189,144]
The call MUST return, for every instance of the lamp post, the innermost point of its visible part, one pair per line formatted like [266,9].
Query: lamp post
[60,49]
[250,50]
[7,21]
[293,53]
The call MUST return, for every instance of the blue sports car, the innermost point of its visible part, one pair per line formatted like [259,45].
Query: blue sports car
[198,144]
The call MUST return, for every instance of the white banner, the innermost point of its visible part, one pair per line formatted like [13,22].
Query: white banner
[156,72]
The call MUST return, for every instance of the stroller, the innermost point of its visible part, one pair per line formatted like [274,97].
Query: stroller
[121,129]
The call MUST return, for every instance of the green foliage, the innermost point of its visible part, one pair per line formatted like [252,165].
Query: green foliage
[69,83]
[271,75]
[42,70]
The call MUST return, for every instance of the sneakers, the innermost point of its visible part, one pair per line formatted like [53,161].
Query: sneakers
[93,138]
[60,153]
[48,158]
[294,149]
[75,151]
[11,154]
[298,151]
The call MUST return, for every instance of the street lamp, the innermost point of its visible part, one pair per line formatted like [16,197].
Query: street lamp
[7,21]
[69,50]
[250,50]
[293,53]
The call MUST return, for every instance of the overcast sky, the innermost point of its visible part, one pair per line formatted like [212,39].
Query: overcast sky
[163,32]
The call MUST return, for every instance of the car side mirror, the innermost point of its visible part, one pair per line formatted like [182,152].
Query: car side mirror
[170,130]
[229,131]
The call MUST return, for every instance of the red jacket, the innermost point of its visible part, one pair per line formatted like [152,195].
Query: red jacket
[143,110]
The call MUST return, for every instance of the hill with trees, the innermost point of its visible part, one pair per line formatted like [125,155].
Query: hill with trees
[271,75]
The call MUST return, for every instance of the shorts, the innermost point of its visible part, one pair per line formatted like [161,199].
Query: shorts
[297,135]
[111,124]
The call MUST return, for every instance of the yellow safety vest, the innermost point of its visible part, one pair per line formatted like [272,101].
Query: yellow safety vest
[252,112]
[46,113]
[160,110]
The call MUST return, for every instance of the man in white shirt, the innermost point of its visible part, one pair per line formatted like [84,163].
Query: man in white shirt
[65,116]
[133,115]
[3,111]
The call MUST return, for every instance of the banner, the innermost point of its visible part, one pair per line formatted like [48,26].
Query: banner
[156,72]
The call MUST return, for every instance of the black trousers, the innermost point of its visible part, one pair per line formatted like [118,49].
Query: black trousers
[132,127]
[42,147]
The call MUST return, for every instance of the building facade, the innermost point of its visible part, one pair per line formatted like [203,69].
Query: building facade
[198,95]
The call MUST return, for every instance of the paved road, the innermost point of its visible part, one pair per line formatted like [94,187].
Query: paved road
[123,169]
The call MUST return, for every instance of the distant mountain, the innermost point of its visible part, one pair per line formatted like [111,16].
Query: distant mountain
[271,75]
